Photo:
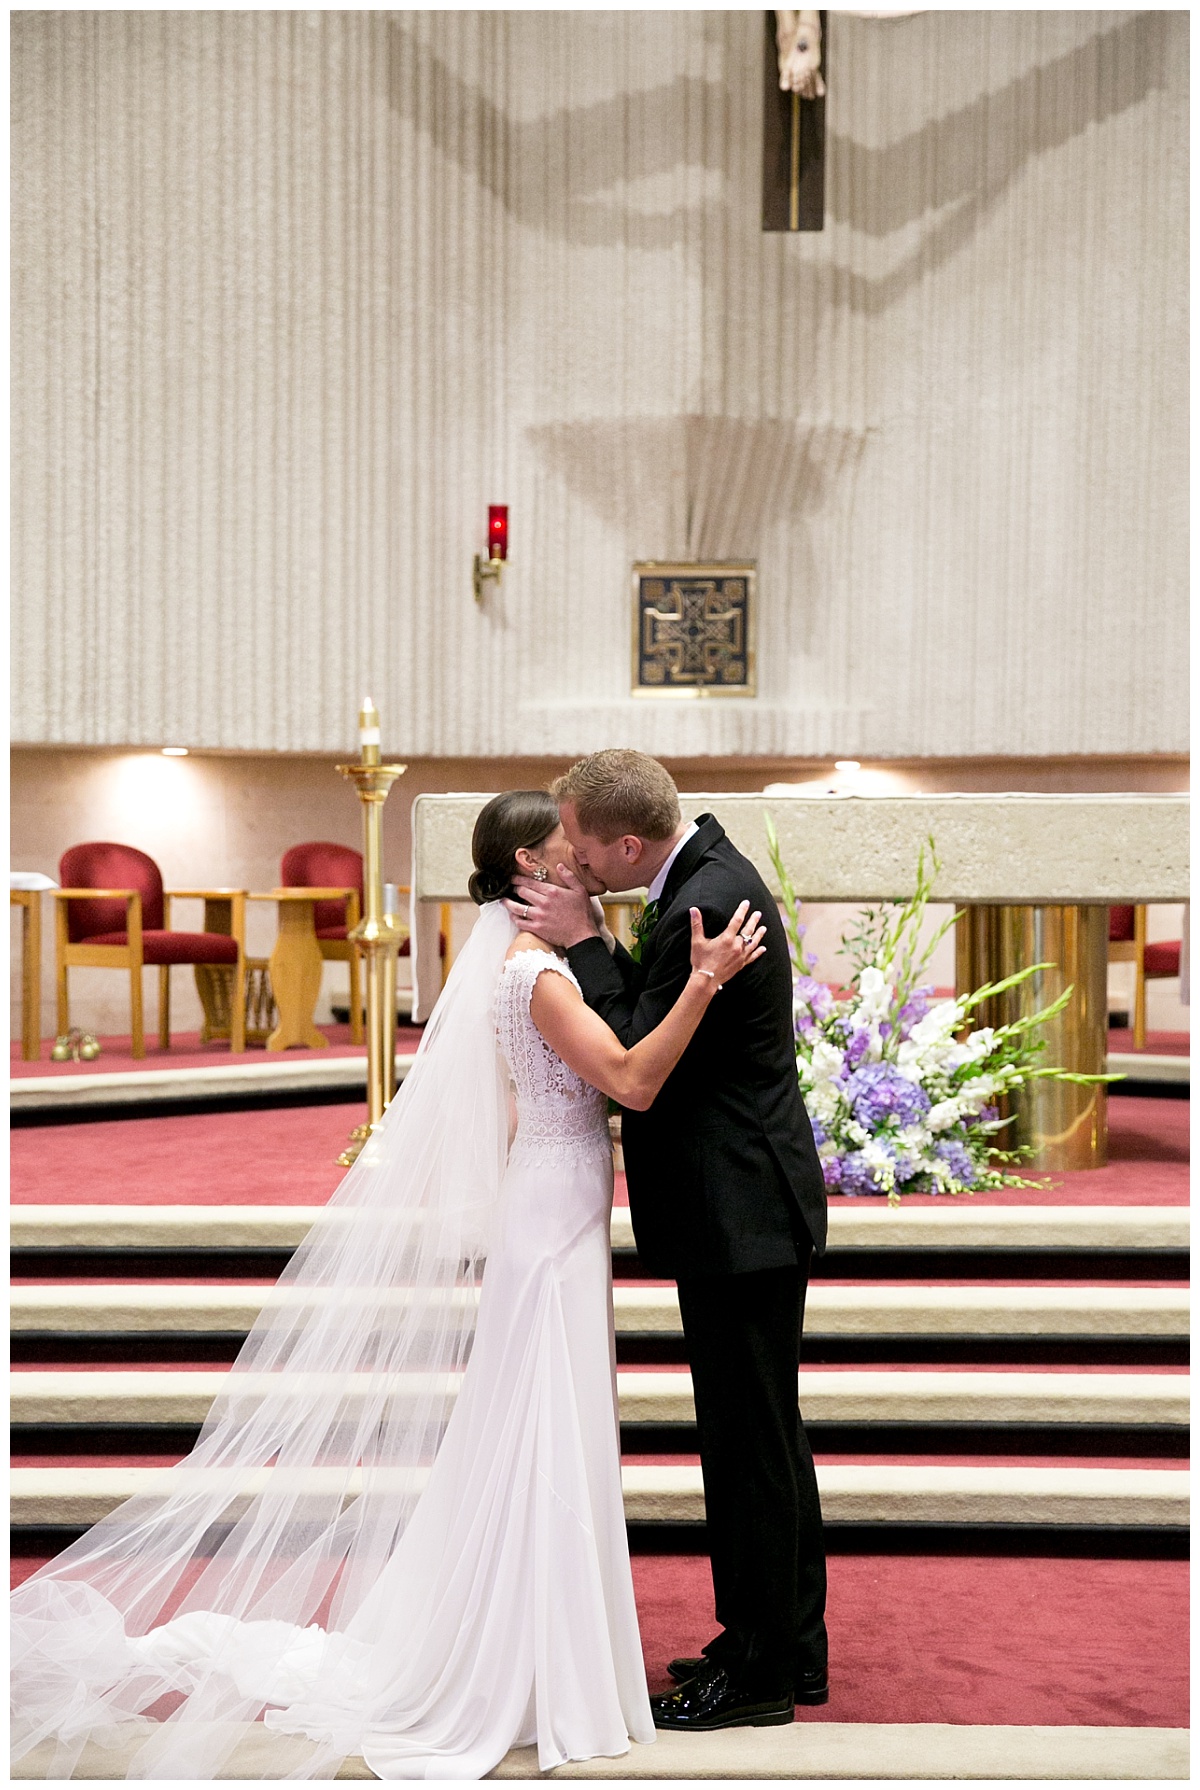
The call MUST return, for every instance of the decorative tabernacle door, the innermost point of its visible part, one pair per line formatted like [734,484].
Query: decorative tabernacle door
[693,629]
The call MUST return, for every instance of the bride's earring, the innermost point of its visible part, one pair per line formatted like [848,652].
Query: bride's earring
[541,874]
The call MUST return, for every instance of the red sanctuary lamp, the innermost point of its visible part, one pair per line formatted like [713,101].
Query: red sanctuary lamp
[490,567]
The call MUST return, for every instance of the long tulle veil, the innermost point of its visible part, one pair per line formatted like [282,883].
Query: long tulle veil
[308,1467]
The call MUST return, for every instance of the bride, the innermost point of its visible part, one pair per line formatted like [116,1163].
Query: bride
[400,1533]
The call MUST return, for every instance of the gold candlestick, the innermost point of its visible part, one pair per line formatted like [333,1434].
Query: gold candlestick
[378,935]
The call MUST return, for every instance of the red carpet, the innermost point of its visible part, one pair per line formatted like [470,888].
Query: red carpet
[284,1156]
[1158,1044]
[931,1638]
[271,1156]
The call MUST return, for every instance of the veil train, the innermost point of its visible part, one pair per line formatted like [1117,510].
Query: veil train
[234,1585]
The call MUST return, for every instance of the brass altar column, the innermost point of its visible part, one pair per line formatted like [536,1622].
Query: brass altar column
[378,936]
[1065,1123]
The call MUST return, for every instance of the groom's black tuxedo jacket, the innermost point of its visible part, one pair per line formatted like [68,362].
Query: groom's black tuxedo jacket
[722,1168]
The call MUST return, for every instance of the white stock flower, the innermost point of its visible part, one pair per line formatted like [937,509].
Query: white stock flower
[827,1061]
[877,1159]
[944,1114]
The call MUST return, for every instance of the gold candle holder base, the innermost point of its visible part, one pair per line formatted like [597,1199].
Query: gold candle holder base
[378,936]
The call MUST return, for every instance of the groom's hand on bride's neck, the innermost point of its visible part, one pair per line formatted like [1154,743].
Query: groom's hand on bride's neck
[561,916]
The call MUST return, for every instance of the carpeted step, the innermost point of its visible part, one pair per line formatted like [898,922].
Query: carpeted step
[42,1497]
[854,1311]
[666,1398]
[805,1750]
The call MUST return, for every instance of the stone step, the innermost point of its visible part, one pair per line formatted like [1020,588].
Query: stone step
[957,1225]
[884,1494]
[640,1310]
[804,1751]
[666,1398]
[274,1074]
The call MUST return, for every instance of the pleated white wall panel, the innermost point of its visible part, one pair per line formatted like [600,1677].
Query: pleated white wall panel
[297,294]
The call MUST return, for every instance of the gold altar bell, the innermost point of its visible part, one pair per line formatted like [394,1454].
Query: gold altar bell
[378,935]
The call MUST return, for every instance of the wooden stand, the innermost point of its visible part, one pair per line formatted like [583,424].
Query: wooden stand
[30,903]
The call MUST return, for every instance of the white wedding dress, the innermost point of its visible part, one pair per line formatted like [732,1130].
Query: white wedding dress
[480,1582]
[507,1611]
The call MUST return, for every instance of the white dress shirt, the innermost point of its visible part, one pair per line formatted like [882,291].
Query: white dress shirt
[659,884]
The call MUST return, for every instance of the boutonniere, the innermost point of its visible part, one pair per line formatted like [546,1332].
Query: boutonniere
[642,927]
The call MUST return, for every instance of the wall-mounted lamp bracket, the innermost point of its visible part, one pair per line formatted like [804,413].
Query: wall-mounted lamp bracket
[485,570]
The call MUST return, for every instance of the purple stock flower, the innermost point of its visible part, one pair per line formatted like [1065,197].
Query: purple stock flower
[914,1009]
[818,1130]
[816,996]
[857,1047]
[958,1160]
[878,1092]
[833,1171]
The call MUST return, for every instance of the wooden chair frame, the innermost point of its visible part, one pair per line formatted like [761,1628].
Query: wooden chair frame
[1134,951]
[343,950]
[129,957]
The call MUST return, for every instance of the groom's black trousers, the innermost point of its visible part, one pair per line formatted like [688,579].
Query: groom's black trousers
[760,1489]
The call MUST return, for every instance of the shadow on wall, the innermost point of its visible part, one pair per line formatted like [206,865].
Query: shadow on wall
[698,487]
[964,161]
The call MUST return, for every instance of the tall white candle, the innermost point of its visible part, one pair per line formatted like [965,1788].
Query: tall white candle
[368,723]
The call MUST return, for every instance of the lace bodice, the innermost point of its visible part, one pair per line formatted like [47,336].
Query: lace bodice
[557,1112]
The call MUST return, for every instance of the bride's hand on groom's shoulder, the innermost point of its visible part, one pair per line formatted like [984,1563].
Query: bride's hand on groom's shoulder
[560,916]
[731,950]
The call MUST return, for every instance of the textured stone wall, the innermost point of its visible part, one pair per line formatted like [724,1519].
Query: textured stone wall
[296,294]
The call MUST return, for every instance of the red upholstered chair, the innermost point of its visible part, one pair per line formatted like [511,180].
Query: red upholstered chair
[1127,943]
[112,912]
[322,865]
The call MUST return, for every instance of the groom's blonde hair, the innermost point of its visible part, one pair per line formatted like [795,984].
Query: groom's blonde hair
[620,792]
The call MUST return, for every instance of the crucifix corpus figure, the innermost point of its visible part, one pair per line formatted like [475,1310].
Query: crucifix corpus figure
[793,122]
[798,41]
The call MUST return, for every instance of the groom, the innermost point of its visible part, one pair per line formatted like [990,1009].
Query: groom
[727,1197]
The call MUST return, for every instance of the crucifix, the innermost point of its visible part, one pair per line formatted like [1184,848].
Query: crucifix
[793,196]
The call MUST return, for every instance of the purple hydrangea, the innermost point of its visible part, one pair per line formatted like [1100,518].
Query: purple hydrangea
[958,1160]
[878,1092]
[857,1177]
[818,1130]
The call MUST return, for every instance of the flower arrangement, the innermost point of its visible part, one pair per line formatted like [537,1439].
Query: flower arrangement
[902,1094]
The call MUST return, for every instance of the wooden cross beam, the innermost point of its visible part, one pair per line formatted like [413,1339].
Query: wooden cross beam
[793,192]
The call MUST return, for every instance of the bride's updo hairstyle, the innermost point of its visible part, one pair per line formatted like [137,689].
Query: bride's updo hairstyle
[520,817]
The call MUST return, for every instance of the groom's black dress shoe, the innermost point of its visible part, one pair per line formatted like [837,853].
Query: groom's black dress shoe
[709,1701]
[811,1687]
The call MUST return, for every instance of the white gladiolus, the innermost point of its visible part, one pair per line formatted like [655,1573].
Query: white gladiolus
[937,1024]
[874,995]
